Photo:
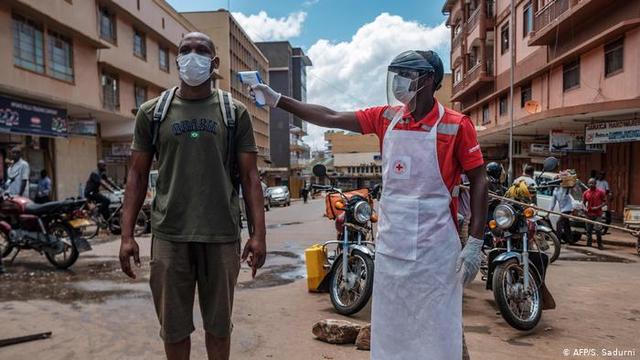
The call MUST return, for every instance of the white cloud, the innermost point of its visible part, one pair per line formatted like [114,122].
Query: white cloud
[310,2]
[261,27]
[351,75]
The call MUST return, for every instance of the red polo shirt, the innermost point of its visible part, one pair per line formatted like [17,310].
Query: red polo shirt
[458,148]
[594,198]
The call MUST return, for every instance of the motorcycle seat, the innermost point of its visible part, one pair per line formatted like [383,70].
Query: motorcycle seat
[40,209]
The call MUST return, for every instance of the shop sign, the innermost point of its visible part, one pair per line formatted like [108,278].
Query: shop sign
[86,127]
[613,132]
[570,141]
[26,118]
[121,149]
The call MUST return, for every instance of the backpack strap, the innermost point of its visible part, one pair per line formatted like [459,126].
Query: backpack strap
[160,112]
[229,115]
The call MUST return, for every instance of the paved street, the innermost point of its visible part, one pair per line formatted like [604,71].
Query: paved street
[96,313]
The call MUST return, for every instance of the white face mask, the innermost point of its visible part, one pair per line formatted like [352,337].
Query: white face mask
[194,68]
[401,86]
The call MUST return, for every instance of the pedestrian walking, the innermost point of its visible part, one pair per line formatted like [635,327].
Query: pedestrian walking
[205,150]
[562,198]
[18,174]
[44,188]
[425,148]
[594,199]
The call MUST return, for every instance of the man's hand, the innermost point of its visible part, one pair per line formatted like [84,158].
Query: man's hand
[129,248]
[256,250]
[271,97]
[469,260]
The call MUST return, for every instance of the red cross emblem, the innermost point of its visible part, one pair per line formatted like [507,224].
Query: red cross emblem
[399,167]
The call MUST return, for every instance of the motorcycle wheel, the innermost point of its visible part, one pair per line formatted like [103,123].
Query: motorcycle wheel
[507,280]
[349,302]
[69,255]
[549,243]
[5,245]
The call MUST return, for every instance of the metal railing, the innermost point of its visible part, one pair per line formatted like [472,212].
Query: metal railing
[473,19]
[458,38]
[549,13]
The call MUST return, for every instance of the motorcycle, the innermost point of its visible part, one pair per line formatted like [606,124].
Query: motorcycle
[517,266]
[113,223]
[53,229]
[349,280]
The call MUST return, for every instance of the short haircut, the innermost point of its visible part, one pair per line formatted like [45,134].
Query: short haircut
[529,170]
[197,34]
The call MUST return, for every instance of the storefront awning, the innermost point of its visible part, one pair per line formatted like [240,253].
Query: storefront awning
[21,117]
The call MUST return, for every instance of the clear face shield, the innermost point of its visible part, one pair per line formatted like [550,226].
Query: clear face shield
[402,88]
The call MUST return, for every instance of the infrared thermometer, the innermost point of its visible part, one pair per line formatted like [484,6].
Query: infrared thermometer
[253,78]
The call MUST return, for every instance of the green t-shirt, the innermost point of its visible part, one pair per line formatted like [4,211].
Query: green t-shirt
[195,200]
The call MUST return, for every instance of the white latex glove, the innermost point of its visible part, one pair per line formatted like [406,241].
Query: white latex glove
[271,97]
[469,260]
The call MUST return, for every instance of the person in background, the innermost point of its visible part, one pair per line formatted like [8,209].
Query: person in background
[464,210]
[305,192]
[98,179]
[527,176]
[594,199]
[603,185]
[18,174]
[44,188]
[562,197]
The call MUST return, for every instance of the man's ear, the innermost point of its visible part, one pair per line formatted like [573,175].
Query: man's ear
[215,63]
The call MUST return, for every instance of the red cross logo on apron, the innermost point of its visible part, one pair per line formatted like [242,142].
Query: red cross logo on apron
[399,167]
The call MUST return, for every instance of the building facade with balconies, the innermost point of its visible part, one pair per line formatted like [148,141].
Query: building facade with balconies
[576,83]
[356,159]
[73,75]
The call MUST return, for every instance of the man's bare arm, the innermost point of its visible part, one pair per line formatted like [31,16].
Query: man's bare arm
[134,196]
[479,201]
[320,115]
[252,193]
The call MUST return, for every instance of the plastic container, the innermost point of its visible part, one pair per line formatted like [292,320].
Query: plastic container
[315,258]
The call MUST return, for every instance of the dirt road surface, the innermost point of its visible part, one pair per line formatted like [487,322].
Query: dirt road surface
[95,312]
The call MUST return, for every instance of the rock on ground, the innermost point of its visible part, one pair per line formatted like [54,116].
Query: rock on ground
[363,341]
[336,331]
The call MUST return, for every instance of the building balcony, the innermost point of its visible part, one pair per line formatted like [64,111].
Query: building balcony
[555,17]
[473,79]
[297,131]
[297,163]
[299,145]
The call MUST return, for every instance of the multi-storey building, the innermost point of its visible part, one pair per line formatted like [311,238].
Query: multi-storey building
[576,87]
[288,75]
[73,74]
[237,53]
[356,158]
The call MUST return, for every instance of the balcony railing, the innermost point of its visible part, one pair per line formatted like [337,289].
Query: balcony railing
[455,43]
[473,19]
[472,75]
[549,13]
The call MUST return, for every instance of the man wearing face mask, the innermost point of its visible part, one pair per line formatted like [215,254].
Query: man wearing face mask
[420,270]
[195,219]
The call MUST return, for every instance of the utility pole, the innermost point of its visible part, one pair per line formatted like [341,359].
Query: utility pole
[512,50]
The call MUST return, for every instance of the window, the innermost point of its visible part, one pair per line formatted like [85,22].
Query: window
[59,56]
[485,114]
[490,8]
[571,75]
[164,59]
[525,94]
[28,45]
[139,45]
[107,25]
[504,107]
[110,96]
[614,57]
[527,20]
[504,38]
[140,93]
[458,76]
[457,29]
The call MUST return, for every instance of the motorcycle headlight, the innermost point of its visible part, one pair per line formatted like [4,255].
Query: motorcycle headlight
[504,216]
[362,212]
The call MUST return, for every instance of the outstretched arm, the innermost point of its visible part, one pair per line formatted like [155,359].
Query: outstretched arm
[315,114]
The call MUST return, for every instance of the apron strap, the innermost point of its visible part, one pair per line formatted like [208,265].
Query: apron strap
[400,112]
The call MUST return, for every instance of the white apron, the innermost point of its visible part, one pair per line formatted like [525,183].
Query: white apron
[417,293]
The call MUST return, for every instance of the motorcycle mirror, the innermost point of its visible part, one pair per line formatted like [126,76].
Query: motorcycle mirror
[319,170]
[550,164]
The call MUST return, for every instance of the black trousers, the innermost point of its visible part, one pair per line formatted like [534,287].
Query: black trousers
[102,201]
[564,227]
[591,228]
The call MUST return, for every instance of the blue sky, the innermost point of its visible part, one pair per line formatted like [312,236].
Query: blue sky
[334,20]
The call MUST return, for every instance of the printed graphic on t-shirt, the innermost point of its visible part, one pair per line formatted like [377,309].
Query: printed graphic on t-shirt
[194,127]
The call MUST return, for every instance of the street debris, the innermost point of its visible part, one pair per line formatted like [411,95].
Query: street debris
[363,341]
[23,339]
[335,331]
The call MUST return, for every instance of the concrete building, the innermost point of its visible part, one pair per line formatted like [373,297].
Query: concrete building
[356,159]
[72,75]
[237,53]
[576,89]
[288,75]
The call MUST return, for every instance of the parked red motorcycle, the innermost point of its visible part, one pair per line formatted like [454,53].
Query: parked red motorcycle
[53,229]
